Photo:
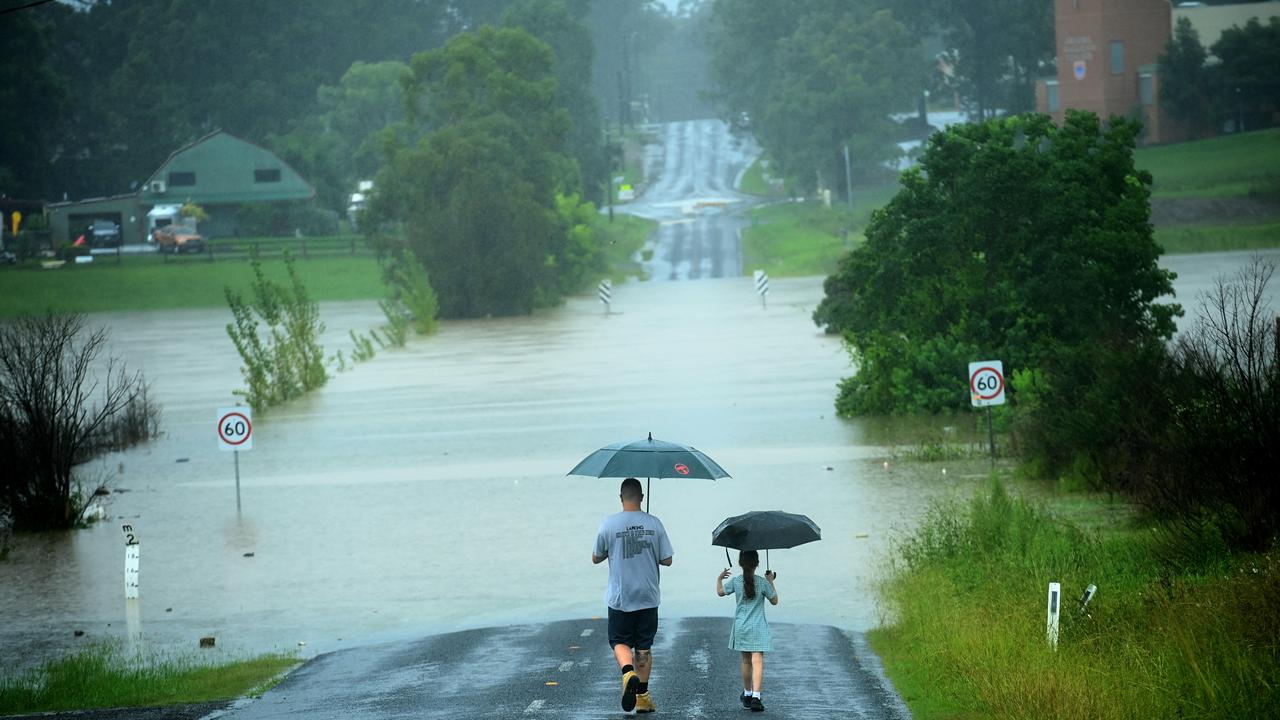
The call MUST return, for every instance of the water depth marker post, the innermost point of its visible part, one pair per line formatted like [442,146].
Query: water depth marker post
[235,433]
[132,562]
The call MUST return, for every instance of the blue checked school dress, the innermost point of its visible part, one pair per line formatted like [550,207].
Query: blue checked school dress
[750,631]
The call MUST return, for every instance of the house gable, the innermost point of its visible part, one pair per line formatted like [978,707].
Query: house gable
[221,169]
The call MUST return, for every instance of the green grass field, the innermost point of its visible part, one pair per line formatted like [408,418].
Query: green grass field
[753,182]
[1218,238]
[965,598]
[105,677]
[1231,165]
[148,283]
[800,239]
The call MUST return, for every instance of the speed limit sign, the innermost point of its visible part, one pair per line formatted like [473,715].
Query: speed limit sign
[986,383]
[235,428]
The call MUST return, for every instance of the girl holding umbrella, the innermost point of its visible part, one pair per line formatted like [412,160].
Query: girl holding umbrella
[750,635]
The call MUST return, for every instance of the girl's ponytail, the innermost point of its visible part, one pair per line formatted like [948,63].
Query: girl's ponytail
[749,560]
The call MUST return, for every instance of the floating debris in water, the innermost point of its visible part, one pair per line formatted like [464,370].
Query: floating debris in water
[248,554]
[182,460]
[207,642]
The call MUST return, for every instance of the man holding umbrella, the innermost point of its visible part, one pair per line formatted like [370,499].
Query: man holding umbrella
[635,543]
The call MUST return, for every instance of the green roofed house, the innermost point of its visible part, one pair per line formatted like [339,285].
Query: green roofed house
[219,172]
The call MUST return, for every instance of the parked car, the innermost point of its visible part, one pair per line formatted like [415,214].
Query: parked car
[178,239]
[104,234]
[7,258]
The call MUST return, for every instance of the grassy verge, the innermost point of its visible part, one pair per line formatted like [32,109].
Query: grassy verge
[753,182]
[104,677]
[799,239]
[146,283]
[966,598]
[1227,166]
[621,239]
[1196,238]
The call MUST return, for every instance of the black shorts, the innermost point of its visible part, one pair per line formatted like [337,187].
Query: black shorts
[634,629]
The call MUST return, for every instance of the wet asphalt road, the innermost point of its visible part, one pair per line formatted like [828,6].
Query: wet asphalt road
[565,670]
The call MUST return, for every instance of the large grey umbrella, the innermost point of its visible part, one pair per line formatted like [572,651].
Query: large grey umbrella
[765,530]
[648,459]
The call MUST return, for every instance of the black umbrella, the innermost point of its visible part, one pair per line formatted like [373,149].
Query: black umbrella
[648,459]
[765,530]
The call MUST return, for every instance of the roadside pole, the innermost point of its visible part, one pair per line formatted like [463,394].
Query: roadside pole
[762,288]
[235,433]
[986,388]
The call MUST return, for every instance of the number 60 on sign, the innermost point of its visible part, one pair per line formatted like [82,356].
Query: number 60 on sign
[235,428]
[986,383]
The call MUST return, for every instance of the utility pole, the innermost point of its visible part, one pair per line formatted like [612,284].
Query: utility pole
[848,177]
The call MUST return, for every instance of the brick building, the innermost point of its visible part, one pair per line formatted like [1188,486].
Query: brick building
[1107,52]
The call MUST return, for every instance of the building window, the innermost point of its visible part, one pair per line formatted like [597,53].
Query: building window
[1117,57]
[1051,95]
[182,179]
[1146,90]
[271,175]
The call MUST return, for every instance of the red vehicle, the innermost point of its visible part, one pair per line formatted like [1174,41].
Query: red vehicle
[178,239]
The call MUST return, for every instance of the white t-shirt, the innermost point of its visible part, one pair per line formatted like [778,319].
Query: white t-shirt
[634,542]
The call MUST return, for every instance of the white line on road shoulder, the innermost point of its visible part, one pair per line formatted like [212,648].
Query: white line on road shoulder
[564,666]
[586,632]
[535,706]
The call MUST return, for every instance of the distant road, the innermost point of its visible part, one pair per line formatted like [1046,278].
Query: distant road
[691,175]
[565,670]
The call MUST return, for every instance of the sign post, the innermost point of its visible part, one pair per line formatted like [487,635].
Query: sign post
[762,287]
[235,433]
[986,388]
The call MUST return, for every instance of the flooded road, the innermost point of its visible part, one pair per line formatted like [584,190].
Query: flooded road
[424,491]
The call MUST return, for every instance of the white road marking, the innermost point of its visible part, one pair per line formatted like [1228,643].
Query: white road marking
[564,666]
[535,706]
[586,633]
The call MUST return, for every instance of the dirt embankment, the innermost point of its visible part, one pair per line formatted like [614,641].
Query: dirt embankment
[1169,212]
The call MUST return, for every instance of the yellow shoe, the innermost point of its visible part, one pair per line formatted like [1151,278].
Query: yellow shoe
[630,683]
[644,704]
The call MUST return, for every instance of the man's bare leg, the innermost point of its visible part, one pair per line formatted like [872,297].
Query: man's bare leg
[644,664]
[622,654]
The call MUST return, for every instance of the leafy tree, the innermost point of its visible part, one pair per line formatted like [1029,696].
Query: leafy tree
[551,22]
[33,96]
[1186,84]
[357,122]
[999,46]
[811,77]
[477,197]
[1249,75]
[276,331]
[477,209]
[1014,239]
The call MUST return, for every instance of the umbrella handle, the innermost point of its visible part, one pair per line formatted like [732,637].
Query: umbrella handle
[726,557]
[766,560]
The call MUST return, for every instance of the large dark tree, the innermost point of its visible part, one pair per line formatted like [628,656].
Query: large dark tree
[477,197]
[552,22]
[813,76]
[32,101]
[1014,239]
[1186,84]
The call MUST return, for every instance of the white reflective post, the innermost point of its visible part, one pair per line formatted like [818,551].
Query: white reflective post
[132,561]
[1055,604]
